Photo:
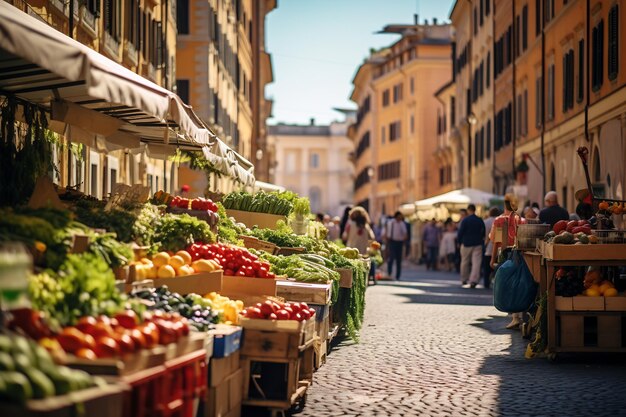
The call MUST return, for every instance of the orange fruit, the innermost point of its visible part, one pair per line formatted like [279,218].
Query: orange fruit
[185,255]
[610,292]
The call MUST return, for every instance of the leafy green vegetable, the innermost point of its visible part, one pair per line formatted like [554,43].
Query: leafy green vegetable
[175,232]
[350,306]
[83,286]
[227,230]
[260,202]
[114,253]
[120,222]
[144,226]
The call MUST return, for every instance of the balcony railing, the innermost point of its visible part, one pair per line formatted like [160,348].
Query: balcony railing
[25,7]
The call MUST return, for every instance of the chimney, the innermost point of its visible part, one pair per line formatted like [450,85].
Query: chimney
[435,21]
[312,121]
[426,22]
[416,19]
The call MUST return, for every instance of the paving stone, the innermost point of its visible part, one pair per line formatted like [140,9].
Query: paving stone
[430,347]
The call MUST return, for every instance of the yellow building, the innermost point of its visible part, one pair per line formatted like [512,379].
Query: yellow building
[138,34]
[394,137]
[579,77]
[222,70]
[314,161]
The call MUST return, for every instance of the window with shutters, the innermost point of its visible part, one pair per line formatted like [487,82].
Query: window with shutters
[525,114]
[580,88]
[132,28]
[382,135]
[538,102]
[182,89]
[481,12]
[518,37]
[597,63]
[518,116]
[537,17]
[397,93]
[395,130]
[159,61]
[452,110]
[182,16]
[524,27]
[482,144]
[475,21]
[613,46]
[548,11]
[113,18]
[488,140]
[509,125]
[475,148]
[568,80]
[386,98]
[550,104]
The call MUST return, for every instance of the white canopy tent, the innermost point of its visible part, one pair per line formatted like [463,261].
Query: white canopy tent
[107,106]
[447,204]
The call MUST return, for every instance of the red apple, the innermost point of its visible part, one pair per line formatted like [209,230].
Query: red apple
[127,319]
[106,347]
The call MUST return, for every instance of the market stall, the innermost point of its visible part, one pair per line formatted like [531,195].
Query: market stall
[580,267]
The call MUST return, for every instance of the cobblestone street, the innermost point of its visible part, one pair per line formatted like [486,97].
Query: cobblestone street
[432,348]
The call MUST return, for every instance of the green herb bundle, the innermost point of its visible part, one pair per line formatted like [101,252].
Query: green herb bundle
[175,232]
[260,202]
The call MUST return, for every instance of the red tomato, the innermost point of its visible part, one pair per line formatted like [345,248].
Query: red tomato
[296,316]
[288,309]
[256,265]
[255,313]
[262,273]
[271,275]
[305,314]
[304,305]
[229,272]
[312,311]
[273,316]
[282,315]
[241,273]
[249,272]
[296,307]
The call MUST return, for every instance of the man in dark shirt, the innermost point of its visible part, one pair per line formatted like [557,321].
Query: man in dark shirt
[471,236]
[552,213]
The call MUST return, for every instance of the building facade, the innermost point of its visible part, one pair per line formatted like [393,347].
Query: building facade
[141,36]
[315,161]
[394,137]
[222,70]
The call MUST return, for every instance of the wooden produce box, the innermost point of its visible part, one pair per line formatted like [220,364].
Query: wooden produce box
[559,252]
[124,366]
[202,283]
[345,277]
[615,303]
[262,220]
[276,338]
[93,402]
[587,332]
[226,340]
[233,287]
[221,368]
[254,243]
[320,349]
[225,398]
[303,291]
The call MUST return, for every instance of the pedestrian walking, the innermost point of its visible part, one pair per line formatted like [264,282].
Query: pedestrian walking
[552,212]
[447,248]
[471,236]
[358,232]
[333,229]
[431,237]
[344,222]
[395,238]
[487,269]
[511,219]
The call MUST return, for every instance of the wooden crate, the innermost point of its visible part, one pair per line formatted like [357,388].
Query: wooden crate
[277,382]
[563,303]
[533,260]
[284,343]
[251,242]
[559,252]
[345,277]
[201,283]
[249,218]
[591,332]
[584,303]
[97,402]
[303,291]
[615,303]
[320,349]
[236,286]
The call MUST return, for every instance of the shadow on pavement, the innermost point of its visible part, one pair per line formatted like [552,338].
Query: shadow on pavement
[574,385]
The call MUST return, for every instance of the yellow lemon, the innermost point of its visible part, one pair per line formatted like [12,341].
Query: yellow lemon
[176,261]
[593,292]
[610,292]
[166,271]
[160,259]
[185,255]
[605,286]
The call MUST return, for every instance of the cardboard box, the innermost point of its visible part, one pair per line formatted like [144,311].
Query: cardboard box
[202,283]
[559,252]
[234,286]
[226,340]
[303,291]
[584,303]
[249,218]
[563,303]
[221,368]
[615,303]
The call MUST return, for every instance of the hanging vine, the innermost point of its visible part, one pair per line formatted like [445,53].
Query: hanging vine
[25,151]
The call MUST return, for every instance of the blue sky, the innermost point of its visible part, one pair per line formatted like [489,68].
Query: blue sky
[317,46]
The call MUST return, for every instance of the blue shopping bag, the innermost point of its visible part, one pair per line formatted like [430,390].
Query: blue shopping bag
[514,289]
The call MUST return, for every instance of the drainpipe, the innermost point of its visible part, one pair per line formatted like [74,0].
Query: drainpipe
[493,102]
[469,84]
[587,93]
[543,102]
[515,51]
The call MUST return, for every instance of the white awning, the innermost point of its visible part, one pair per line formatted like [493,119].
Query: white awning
[79,86]
[461,197]
[230,163]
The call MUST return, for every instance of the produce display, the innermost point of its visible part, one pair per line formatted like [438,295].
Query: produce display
[261,202]
[229,309]
[272,310]
[174,232]
[573,232]
[305,267]
[162,265]
[27,371]
[193,307]
[235,261]
[117,220]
